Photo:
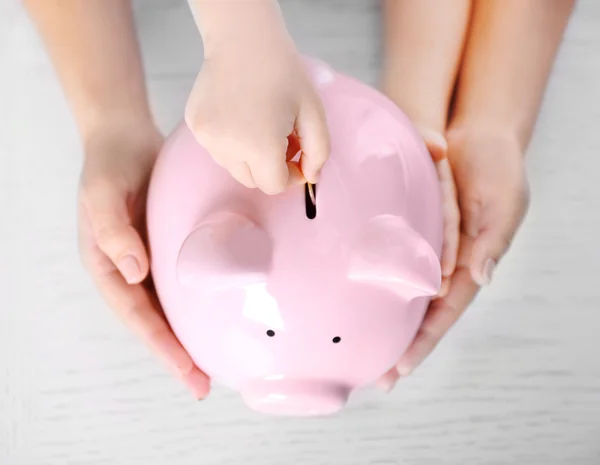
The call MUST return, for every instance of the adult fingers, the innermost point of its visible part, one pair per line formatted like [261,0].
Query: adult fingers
[498,225]
[135,308]
[435,142]
[110,222]
[387,382]
[93,259]
[451,215]
[313,133]
[441,315]
[437,147]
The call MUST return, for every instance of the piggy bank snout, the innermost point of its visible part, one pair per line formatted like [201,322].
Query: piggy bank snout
[295,397]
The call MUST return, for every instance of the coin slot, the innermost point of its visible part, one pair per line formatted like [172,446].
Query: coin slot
[310,206]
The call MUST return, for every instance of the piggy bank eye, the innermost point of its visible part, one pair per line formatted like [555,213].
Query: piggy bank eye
[336,339]
[270,333]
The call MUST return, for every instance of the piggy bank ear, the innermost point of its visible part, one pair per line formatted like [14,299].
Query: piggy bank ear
[225,250]
[390,254]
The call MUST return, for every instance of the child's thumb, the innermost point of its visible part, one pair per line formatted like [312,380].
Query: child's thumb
[115,236]
[313,133]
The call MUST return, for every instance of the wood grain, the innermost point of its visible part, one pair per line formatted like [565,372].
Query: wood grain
[516,381]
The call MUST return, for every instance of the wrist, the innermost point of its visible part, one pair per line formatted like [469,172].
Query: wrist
[495,120]
[424,109]
[427,116]
[121,126]
[106,103]
[242,21]
[506,138]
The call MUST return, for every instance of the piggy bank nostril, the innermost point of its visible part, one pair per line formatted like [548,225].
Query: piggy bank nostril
[336,339]
[270,333]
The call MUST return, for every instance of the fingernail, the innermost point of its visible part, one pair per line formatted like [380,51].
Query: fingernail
[311,193]
[404,369]
[311,177]
[130,269]
[445,287]
[435,137]
[197,382]
[388,381]
[487,272]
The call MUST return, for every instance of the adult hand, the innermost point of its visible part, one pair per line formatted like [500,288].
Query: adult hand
[254,108]
[112,198]
[493,195]
[438,148]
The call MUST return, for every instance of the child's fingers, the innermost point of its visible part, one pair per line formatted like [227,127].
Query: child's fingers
[270,172]
[133,305]
[313,133]
[241,173]
[296,177]
[293,146]
[106,210]
[295,174]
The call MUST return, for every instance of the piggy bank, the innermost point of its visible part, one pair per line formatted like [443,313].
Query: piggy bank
[292,304]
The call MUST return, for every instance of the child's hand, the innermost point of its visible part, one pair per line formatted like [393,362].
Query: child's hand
[253,107]
[112,199]
[493,195]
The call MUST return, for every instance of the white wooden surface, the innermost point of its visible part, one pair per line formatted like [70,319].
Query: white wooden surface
[516,381]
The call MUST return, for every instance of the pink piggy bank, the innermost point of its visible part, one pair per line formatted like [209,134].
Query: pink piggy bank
[296,307]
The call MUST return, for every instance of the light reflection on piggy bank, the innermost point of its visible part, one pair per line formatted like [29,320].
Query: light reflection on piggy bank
[293,311]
